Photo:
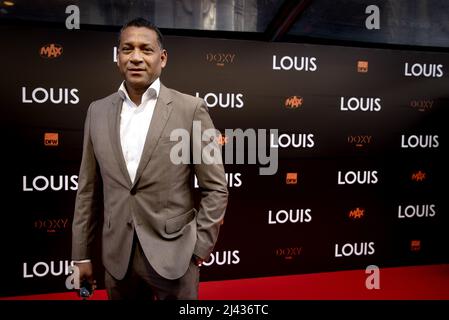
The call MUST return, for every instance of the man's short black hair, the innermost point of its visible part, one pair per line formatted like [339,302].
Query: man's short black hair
[141,22]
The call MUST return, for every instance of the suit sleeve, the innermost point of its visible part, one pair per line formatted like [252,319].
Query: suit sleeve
[214,193]
[88,199]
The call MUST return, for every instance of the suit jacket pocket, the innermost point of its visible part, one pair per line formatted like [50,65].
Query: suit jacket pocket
[176,223]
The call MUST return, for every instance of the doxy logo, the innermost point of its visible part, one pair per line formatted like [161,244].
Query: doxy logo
[220,59]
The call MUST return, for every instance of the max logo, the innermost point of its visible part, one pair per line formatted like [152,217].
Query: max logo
[293,102]
[357,213]
[50,51]
[418,176]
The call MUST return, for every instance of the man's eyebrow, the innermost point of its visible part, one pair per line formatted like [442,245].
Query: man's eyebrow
[145,44]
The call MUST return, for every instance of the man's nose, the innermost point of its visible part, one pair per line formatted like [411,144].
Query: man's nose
[136,56]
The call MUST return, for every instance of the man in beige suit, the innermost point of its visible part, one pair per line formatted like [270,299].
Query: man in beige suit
[153,239]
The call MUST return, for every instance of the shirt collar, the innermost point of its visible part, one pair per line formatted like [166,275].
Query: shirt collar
[151,92]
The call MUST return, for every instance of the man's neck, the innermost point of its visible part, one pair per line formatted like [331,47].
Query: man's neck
[135,94]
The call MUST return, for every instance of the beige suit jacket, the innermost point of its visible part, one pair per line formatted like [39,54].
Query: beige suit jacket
[159,204]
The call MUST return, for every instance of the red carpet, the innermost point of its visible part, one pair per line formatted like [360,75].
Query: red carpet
[403,283]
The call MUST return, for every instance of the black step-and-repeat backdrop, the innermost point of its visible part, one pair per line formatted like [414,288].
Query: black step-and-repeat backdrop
[360,134]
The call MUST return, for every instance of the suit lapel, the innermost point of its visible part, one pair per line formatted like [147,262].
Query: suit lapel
[161,114]
[114,133]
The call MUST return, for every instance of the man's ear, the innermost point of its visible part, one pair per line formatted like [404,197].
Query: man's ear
[164,57]
[118,50]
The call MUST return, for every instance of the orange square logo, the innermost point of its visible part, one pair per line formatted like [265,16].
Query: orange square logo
[51,139]
[292,178]
[362,66]
[415,245]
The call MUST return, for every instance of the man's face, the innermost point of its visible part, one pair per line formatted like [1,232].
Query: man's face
[140,59]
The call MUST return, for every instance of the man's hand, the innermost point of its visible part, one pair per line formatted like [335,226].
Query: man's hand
[86,273]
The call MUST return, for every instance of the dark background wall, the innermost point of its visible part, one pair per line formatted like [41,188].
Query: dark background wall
[323,222]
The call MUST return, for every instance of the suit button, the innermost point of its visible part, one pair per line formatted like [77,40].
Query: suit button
[133,191]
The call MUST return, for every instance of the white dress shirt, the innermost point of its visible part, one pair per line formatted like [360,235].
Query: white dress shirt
[134,123]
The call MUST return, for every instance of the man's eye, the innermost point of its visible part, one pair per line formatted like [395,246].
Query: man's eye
[126,50]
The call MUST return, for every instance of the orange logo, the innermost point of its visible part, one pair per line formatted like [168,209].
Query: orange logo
[362,66]
[222,139]
[419,176]
[51,139]
[415,245]
[292,178]
[50,51]
[293,102]
[357,213]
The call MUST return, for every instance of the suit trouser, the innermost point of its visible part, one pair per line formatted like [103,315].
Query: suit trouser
[142,282]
